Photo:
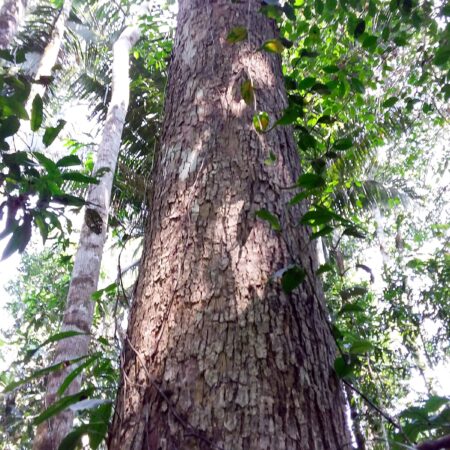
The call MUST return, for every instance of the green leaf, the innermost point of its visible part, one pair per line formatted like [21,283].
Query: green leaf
[9,127]
[73,439]
[269,217]
[330,69]
[273,46]
[261,121]
[19,239]
[10,106]
[343,144]
[292,278]
[350,308]
[391,101]
[247,92]
[359,29]
[322,232]
[36,113]
[286,42]
[77,371]
[354,291]
[342,369]
[357,85]
[47,163]
[331,5]
[435,402]
[54,338]
[355,232]
[289,11]
[51,133]
[69,200]
[370,42]
[318,4]
[310,181]
[306,83]
[442,55]
[326,119]
[70,160]
[317,217]
[360,347]
[290,115]
[61,405]
[299,197]
[43,227]
[327,267]
[237,34]
[306,141]
[79,177]
[321,89]
[272,11]
[40,373]
[306,53]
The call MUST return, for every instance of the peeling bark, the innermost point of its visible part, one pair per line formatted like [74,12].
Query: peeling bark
[11,14]
[79,310]
[218,356]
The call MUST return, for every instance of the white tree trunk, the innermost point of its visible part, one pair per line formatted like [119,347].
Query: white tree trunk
[80,307]
[11,14]
[50,55]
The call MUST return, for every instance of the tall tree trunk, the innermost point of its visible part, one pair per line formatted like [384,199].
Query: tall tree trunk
[49,58]
[11,14]
[79,310]
[217,355]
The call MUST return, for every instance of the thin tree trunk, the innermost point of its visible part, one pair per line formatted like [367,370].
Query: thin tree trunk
[11,14]
[217,355]
[356,420]
[79,310]
[49,58]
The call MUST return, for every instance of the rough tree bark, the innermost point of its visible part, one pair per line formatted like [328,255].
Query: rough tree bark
[79,309]
[11,14]
[217,355]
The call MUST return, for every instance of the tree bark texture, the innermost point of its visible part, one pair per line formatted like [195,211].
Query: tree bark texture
[79,310]
[11,14]
[218,356]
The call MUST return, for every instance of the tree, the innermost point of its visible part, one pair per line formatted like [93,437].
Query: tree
[50,56]
[11,13]
[79,309]
[228,344]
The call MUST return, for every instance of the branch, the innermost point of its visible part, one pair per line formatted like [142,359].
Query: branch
[438,444]
[375,407]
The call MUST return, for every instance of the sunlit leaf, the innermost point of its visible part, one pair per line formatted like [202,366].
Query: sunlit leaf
[237,34]
[273,46]
[261,121]
[361,346]
[247,92]
[269,217]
